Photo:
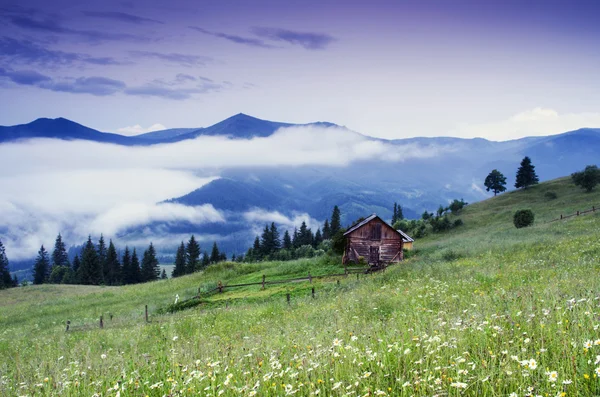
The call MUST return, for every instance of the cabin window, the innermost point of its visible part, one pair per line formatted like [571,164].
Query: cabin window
[376,232]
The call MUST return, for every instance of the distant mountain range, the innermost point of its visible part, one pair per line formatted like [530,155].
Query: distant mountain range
[361,188]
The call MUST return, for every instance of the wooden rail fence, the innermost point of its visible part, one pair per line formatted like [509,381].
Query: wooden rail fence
[563,217]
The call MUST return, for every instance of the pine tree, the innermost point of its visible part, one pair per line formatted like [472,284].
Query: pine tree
[41,268]
[295,239]
[395,214]
[76,267]
[5,280]
[102,259]
[526,175]
[495,182]
[318,238]
[150,267]
[59,255]
[266,241]
[256,250]
[287,241]
[326,230]
[192,255]
[90,272]
[399,214]
[275,240]
[126,270]
[163,275]
[336,224]
[136,272]
[113,274]
[215,254]
[304,235]
[179,269]
[205,260]
[15,281]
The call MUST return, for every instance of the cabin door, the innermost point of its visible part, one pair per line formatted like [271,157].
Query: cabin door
[373,255]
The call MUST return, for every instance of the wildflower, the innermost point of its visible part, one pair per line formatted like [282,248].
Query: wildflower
[567,382]
[406,351]
[597,360]
[597,370]
[459,385]
[103,356]
[552,376]
[175,338]
[336,385]
[366,375]
[532,364]
[588,344]
[337,342]
[513,394]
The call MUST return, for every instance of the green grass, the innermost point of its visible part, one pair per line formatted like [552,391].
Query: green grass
[461,317]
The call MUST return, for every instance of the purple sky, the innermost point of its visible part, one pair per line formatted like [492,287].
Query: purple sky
[385,68]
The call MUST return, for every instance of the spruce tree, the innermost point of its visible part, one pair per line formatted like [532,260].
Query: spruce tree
[205,260]
[495,182]
[287,241]
[41,268]
[295,239]
[336,224]
[275,240]
[318,238]
[163,275]
[59,255]
[256,250]
[399,214]
[215,255]
[150,267]
[102,259]
[76,267]
[126,271]
[15,281]
[266,241]
[395,214]
[326,230]
[305,236]
[526,175]
[179,269]
[192,255]
[136,272]
[90,271]
[5,280]
[113,267]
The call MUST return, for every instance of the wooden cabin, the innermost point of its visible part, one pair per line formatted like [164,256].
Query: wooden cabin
[374,240]
[407,240]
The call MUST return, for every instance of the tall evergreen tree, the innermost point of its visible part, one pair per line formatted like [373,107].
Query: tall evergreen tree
[179,269]
[102,258]
[90,272]
[76,267]
[295,240]
[395,214]
[275,239]
[15,281]
[150,267]
[399,213]
[326,230]
[318,238]
[41,268]
[192,255]
[336,224]
[495,182]
[287,241]
[205,260]
[136,271]
[113,273]
[163,275]
[59,255]
[5,280]
[526,175]
[126,270]
[215,255]
[256,250]
[305,236]
[266,241]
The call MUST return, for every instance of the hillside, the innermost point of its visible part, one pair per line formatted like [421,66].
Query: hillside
[484,310]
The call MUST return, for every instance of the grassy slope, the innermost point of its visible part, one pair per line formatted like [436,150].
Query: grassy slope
[468,301]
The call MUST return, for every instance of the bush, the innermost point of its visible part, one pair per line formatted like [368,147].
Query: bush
[458,222]
[523,218]
[551,195]
[305,251]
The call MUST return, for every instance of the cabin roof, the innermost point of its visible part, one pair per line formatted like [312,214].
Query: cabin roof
[405,237]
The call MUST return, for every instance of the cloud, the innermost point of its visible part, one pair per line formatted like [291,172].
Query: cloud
[120,16]
[249,41]
[138,129]
[164,90]
[308,40]
[26,52]
[180,59]
[535,122]
[99,86]
[51,25]
[260,217]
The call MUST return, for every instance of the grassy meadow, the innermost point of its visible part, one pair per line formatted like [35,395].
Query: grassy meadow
[485,309]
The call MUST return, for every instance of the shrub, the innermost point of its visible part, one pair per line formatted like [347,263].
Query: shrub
[305,251]
[458,222]
[551,195]
[523,218]
[451,255]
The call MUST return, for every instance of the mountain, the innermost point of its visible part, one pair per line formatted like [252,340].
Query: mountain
[170,133]
[62,128]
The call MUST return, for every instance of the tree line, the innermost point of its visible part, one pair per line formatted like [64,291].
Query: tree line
[96,264]
[190,259]
[435,222]
[526,176]
[6,281]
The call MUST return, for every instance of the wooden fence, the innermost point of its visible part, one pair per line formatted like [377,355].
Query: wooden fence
[563,217]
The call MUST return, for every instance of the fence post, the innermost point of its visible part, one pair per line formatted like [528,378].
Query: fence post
[593,208]
[146,307]
[111,316]
[68,324]
[577,213]
[220,286]
[338,283]
[313,292]
[309,278]
[560,216]
[101,322]
[288,298]
[263,282]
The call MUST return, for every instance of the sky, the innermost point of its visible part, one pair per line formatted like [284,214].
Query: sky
[390,69]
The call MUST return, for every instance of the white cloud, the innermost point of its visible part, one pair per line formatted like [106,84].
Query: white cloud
[259,217]
[138,129]
[535,122]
